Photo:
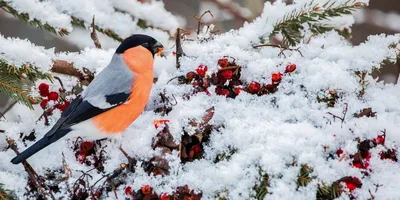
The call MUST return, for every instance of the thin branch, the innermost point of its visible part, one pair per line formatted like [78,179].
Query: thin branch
[199,23]
[93,35]
[31,172]
[344,112]
[282,48]
[179,50]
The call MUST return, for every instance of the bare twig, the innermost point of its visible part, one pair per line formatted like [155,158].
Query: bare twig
[61,83]
[31,172]
[131,162]
[178,45]
[228,68]
[344,112]
[199,23]
[282,48]
[93,35]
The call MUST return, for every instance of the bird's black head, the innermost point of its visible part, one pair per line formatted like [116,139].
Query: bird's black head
[137,39]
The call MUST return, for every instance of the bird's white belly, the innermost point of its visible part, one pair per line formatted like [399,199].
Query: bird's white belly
[87,131]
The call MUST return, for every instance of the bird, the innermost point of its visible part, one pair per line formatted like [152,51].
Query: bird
[112,101]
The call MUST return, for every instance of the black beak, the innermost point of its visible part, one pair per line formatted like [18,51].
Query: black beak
[157,49]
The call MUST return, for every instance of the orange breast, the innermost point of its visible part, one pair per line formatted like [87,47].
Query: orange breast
[116,120]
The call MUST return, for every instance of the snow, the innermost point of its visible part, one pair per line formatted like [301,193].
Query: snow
[58,14]
[269,131]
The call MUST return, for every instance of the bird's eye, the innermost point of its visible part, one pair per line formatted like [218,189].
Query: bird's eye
[145,44]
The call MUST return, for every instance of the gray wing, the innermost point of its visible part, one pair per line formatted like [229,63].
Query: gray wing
[111,85]
[110,88]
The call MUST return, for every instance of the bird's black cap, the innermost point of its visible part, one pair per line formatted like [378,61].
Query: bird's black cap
[138,39]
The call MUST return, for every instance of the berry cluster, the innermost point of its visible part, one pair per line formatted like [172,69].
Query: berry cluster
[227,80]
[146,192]
[86,152]
[44,91]
[362,157]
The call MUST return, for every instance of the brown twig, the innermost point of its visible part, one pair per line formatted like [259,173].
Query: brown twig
[344,112]
[228,68]
[31,172]
[64,67]
[178,45]
[93,35]
[282,48]
[131,162]
[199,23]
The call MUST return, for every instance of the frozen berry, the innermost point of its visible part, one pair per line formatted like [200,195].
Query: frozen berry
[43,87]
[44,102]
[221,91]
[276,77]
[146,189]
[237,90]
[290,68]
[53,96]
[227,74]
[223,62]
[190,76]
[380,139]
[254,87]
[201,70]
[339,152]
[164,196]
[128,191]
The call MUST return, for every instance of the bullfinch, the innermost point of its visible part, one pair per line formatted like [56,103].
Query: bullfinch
[112,101]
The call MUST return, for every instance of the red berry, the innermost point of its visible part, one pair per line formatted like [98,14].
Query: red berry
[196,148]
[164,196]
[44,93]
[43,87]
[85,147]
[128,191]
[190,76]
[380,139]
[366,155]
[146,189]
[254,87]
[221,91]
[227,74]
[44,102]
[81,157]
[357,165]
[201,70]
[237,90]
[53,96]
[290,68]
[351,182]
[174,53]
[351,186]
[339,152]
[158,122]
[269,86]
[62,107]
[276,77]
[223,62]
[366,165]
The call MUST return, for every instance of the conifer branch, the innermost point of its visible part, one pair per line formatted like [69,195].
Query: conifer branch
[13,81]
[292,24]
[5,194]
[34,22]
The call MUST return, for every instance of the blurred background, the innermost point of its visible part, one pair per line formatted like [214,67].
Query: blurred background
[379,17]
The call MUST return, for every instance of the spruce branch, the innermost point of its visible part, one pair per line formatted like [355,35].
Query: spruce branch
[304,176]
[13,81]
[293,23]
[5,194]
[35,22]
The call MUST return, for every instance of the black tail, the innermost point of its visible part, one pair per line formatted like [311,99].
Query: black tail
[39,145]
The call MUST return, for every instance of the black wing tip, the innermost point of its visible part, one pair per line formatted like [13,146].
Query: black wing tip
[17,159]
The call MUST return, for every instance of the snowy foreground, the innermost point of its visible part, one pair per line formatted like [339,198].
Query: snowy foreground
[271,134]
